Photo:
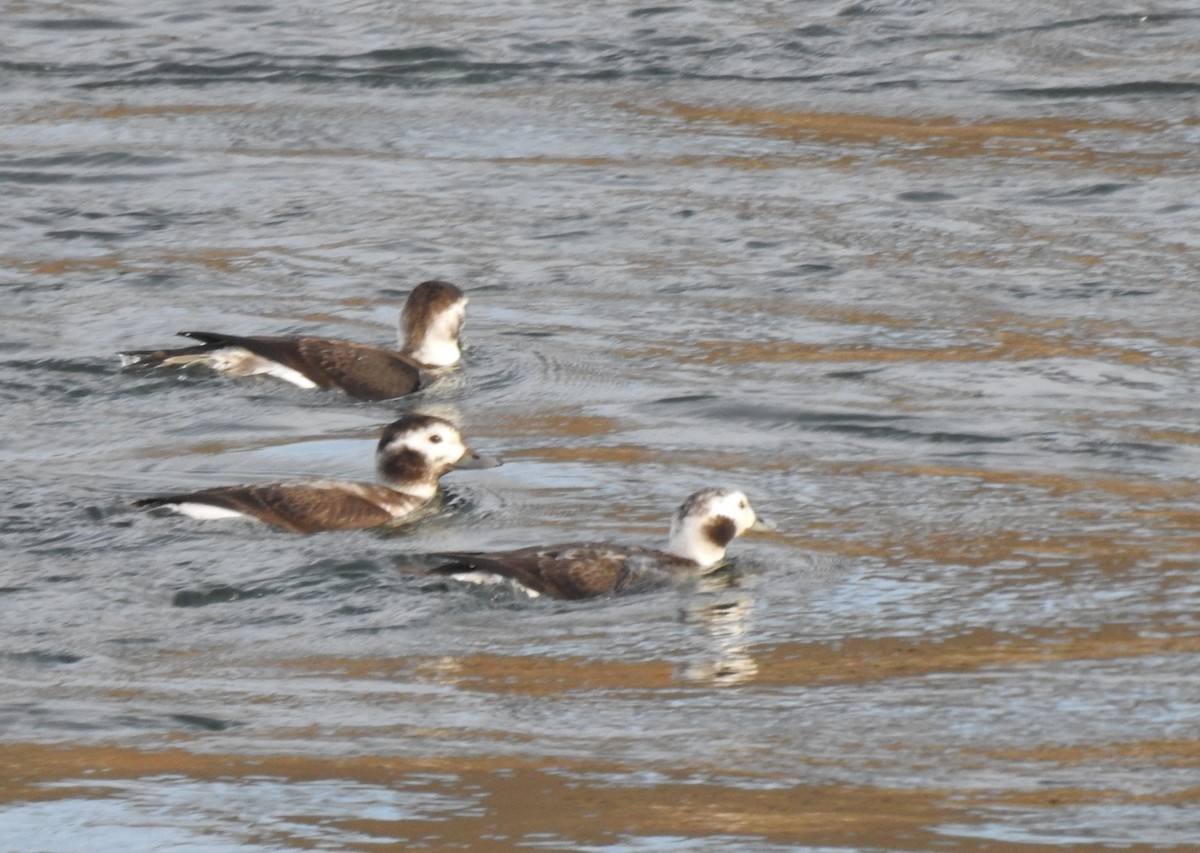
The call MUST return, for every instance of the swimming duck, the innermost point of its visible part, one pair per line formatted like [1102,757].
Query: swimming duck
[412,454]
[701,529]
[429,328]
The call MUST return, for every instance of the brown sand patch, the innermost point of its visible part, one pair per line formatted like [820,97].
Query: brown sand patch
[998,345]
[855,660]
[224,260]
[510,799]
[1051,138]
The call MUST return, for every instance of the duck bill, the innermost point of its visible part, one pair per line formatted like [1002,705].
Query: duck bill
[762,525]
[471,459]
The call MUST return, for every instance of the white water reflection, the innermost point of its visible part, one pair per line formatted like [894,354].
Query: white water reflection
[157,812]
[724,620]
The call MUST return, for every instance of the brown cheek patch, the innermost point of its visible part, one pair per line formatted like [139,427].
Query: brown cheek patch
[721,530]
[405,466]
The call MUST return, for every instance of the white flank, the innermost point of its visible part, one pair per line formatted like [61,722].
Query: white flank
[289,375]
[490,579]
[236,361]
[207,512]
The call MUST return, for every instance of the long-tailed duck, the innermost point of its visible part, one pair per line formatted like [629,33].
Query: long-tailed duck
[412,454]
[701,529]
[429,327]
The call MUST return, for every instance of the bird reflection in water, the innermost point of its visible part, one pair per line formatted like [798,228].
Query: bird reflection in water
[721,608]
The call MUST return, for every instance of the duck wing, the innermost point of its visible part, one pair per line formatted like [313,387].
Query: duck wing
[361,371]
[573,571]
[301,508]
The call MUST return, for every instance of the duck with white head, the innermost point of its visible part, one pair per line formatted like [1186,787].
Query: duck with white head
[701,531]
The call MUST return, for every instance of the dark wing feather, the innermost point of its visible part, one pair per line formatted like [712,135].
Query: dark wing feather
[572,571]
[361,371]
[299,508]
[146,358]
[285,351]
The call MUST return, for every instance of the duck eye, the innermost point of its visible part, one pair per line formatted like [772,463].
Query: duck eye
[741,504]
[435,439]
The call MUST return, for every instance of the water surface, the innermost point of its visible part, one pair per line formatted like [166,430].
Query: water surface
[921,280]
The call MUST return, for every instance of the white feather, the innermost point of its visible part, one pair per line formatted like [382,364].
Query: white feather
[236,361]
[439,345]
[491,578]
[206,512]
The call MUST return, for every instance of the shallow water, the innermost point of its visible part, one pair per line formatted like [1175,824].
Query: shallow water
[920,279]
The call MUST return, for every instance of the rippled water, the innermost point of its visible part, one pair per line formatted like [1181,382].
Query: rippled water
[920,278]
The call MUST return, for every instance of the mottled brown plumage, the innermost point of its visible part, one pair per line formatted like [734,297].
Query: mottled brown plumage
[412,454]
[359,370]
[303,507]
[700,531]
[576,570]
[430,324]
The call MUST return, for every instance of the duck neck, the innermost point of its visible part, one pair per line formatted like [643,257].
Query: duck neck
[702,540]
[408,471]
[434,353]
[435,344]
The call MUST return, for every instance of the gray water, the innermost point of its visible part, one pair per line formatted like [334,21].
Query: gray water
[920,278]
